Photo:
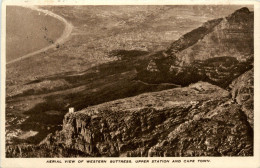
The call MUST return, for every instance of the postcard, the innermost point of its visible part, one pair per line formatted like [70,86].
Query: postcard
[130,84]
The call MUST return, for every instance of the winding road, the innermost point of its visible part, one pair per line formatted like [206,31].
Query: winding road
[66,33]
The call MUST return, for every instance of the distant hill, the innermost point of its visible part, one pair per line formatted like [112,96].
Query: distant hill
[217,52]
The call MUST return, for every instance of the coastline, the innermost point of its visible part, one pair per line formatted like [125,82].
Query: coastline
[66,33]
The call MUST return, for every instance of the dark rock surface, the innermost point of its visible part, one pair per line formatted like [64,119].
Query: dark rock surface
[198,120]
[243,94]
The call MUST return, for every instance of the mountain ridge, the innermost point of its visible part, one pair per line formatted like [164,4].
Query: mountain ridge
[186,60]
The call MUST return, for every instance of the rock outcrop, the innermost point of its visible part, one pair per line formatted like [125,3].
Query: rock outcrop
[243,94]
[198,120]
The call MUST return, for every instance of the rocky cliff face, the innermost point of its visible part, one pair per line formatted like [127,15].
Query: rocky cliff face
[130,127]
[198,120]
[243,94]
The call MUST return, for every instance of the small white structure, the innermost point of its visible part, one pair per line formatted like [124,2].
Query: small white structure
[71,110]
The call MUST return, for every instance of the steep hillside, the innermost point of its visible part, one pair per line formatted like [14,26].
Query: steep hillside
[199,120]
[232,36]
[217,52]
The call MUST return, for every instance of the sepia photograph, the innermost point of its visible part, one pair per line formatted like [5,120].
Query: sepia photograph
[123,81]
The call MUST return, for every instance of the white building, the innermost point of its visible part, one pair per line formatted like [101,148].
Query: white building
[71,110]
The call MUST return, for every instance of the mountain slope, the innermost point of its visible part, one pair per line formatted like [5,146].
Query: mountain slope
[199,120]
[217,52]
[232,36]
